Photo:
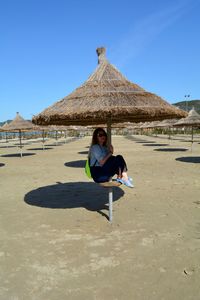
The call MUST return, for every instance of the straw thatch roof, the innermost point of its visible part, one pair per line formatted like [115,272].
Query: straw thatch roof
[145,125]
[193,119]
[166,123]
[107,94]
[153,124]
[18,123]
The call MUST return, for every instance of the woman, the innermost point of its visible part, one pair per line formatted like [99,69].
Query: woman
[103,165]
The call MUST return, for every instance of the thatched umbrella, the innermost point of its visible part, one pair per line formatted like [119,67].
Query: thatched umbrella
[18,125]
[192,120]
[3,128]
[107,96]
[166,124]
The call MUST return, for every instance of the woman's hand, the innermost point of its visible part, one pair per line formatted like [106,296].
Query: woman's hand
[111,149]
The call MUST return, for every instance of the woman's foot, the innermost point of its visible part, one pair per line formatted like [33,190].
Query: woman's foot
[125,182]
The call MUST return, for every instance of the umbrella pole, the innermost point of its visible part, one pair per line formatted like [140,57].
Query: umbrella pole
[109,132]
[43,139]
[56,138]
[65,136]
[169,135]
[110,192]
[20,142]
[6,140]
[192,138]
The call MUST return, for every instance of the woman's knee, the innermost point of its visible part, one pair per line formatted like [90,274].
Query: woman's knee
[119,158]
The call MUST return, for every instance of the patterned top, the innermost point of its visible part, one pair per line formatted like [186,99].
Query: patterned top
[97,153]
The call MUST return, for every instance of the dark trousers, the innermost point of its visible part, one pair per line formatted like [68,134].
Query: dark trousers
[114,165]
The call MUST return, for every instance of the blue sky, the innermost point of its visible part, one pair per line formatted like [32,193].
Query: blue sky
[48,48]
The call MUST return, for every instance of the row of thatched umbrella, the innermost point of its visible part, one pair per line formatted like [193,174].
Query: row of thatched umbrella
[192,120]
[106,97]
[19,124]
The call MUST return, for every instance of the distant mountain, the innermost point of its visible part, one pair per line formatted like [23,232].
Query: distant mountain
[2,123]
[8,121]
[188,105]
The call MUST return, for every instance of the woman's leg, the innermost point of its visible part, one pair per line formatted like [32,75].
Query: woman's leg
[122,167]
[115,165]
[99,175]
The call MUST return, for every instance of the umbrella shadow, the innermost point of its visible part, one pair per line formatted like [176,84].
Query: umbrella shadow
[153,145]
[17,154]
[88,195]
[189,159]
[45,148]
[197,202]
[146,142]
[23,144]
[8,147]
[54,145]
[171,149]
[76,164]
[83,152]
[1,164]
[135,139]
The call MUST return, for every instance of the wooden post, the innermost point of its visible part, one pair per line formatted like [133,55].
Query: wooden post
[43,139]
[20,142]
[192,139]
[65,136]
[56,138]
[109,131]
[6,140]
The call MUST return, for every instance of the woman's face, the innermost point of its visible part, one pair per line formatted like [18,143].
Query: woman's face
[101,136]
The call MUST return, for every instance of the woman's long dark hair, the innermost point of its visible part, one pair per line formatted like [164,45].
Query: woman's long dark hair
[95,134]
[95,139]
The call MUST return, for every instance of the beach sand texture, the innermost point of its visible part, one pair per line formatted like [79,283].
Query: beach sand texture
[55,239]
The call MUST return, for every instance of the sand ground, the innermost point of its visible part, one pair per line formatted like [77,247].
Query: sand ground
[56,242]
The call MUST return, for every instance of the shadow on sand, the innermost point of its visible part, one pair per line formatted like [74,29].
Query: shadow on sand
[171,149]
[8,147]
[83,152]
[54,145]
[189,159]
[45,148]
[136,139]
[157,145]
[17,154]
[1,164]
[88,195]
[146,142]
[76,164]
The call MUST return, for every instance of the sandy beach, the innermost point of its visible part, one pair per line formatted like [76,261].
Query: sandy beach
[56,242]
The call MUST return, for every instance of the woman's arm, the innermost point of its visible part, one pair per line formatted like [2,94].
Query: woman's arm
[102,161]
[110,153]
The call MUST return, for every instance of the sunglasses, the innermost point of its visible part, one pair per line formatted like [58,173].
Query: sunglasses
[101,134]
